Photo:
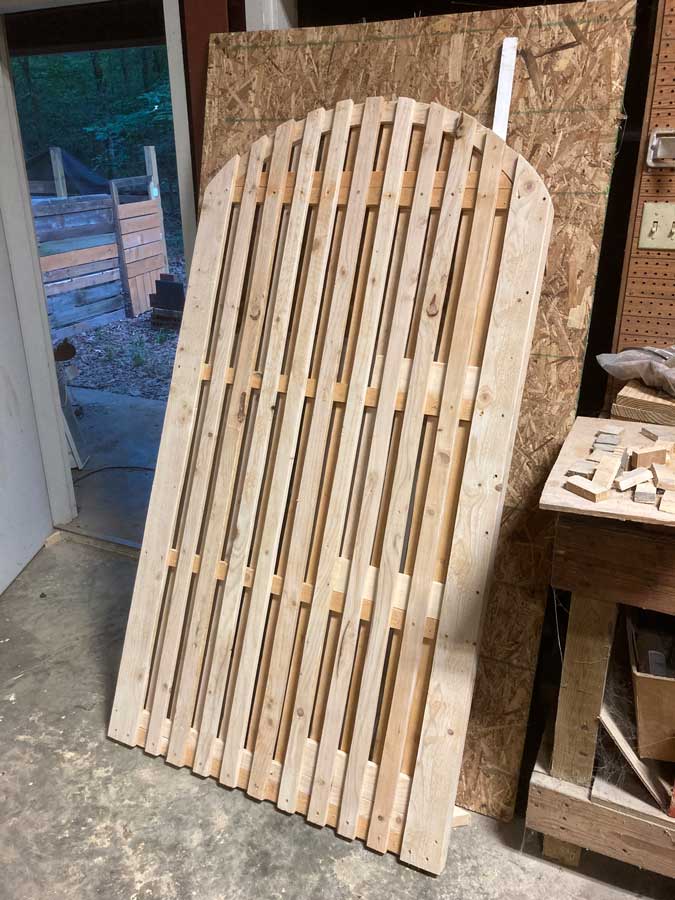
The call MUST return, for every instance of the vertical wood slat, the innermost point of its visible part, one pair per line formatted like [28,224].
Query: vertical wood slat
[327,696]
[245,522]
[293,409]
[493,428]
[172,459]
[311,475]
[406,291]
[204,594]
[437,491]
[230,300]
[427,332]
[351,425]
[233,435]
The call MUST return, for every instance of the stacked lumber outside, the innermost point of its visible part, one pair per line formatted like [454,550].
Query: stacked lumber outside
[141,239]
[333,468]
[79,261]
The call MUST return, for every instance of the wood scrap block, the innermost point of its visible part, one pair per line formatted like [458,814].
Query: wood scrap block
[581,486]
[609,428]
[599,453]
[582,467]
[604,437]
[605,445]
[633,478]
[650,433]
[647,455]
[667,504]
[645,493]
[664,477]
[607,470]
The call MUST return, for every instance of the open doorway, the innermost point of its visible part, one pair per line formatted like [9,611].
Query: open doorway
[97,131]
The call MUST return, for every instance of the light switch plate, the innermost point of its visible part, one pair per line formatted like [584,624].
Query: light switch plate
[657,231]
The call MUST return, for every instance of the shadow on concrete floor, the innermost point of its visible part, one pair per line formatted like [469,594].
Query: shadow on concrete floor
[119,440]
[82,817]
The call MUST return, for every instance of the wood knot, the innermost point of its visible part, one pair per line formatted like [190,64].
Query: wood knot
[241,412]
[432,308]
[485,396]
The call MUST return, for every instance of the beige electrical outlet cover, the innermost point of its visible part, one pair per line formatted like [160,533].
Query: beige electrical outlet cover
[657,231]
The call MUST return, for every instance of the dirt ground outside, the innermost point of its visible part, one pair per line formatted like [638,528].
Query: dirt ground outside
[132,357]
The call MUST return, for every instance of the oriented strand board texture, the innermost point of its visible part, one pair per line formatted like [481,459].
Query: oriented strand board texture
[566,108]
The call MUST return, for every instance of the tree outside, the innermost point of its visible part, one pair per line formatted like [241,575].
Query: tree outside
[103,106]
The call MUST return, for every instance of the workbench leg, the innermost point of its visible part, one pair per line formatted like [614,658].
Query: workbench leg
[582,685]
[561,852]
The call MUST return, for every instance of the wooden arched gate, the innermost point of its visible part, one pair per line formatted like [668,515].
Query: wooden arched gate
[333,468]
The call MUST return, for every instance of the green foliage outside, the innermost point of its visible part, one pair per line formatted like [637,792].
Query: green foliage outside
[103,106]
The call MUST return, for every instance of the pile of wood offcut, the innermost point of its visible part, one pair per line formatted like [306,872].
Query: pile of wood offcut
[647,469]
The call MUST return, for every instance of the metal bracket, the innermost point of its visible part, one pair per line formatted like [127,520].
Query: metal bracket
[661,149]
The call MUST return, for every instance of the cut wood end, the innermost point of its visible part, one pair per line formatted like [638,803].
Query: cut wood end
[581,486]
[611,429]
[664,476]
[645,493]
[582,467]
[649,433]
[633,478]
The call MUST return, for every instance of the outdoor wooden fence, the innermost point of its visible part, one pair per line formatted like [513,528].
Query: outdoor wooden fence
[94,247]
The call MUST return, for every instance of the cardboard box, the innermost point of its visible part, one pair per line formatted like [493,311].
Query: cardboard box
[654,694]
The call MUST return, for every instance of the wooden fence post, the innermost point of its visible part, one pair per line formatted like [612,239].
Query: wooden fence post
[152,171]
[59,175]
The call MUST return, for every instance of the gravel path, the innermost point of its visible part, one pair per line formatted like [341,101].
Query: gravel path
[129,357]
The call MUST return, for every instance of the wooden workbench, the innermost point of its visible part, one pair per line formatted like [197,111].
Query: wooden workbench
[607,553]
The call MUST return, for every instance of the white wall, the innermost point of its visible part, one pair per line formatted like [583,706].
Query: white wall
[36,488]
[26,287]
[25,516]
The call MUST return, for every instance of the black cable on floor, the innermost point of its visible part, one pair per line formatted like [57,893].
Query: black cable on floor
[113,468]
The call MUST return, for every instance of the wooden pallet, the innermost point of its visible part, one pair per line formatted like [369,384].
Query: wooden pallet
[332,468]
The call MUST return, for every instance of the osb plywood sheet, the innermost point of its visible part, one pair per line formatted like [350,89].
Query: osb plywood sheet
[646,314]
[567,105]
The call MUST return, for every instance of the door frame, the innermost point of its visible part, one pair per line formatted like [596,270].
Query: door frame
[25,273]
[15,209]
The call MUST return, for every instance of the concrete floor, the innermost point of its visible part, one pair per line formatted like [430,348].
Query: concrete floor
[119,440]
[82,817]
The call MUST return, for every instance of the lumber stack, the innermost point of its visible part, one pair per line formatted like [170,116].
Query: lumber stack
[638,403]
[139,226]
[79,261]
[333,468]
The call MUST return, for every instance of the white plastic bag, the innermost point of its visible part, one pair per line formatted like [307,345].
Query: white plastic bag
[654,366]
